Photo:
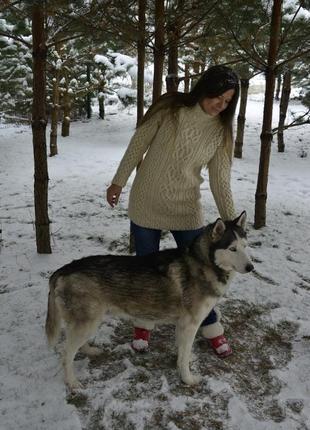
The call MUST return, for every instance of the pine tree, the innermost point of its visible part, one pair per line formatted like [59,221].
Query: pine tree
[15,68]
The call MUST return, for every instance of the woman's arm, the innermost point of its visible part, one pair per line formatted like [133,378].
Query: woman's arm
[138,145]
[219,178]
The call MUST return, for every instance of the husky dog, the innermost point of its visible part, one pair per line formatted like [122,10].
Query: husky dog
[170,286]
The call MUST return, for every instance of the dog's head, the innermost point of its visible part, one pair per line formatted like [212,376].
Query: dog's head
[228,241]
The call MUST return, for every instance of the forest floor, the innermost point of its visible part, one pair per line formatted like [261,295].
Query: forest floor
[264,385]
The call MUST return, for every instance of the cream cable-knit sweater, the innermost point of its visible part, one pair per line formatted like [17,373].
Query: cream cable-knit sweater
[166,190]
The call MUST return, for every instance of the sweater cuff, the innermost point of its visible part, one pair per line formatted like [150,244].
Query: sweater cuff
[118,180]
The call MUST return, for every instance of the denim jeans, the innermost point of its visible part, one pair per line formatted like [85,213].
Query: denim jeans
[147,241]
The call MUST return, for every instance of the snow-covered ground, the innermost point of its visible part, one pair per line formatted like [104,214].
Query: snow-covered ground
[265,385]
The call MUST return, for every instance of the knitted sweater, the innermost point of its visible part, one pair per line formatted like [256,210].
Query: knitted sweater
[166,190]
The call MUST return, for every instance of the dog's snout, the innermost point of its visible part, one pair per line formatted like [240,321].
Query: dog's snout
[249,267]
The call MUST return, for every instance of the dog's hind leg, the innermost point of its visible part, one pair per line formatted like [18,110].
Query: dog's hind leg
[76,336]
[186,332]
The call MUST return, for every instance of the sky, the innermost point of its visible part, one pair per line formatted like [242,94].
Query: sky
[265,385]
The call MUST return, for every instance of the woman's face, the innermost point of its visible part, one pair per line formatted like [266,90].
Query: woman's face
[214,106]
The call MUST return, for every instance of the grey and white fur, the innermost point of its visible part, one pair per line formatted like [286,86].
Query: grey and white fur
[171,286]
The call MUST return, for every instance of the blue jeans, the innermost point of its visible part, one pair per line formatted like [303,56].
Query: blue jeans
[147,241]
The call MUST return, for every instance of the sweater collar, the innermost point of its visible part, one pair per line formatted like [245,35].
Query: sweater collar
[202,116]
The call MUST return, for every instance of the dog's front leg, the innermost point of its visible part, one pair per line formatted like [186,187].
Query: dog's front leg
[186,332]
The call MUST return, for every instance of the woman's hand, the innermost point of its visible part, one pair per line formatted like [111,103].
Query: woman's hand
[113,193]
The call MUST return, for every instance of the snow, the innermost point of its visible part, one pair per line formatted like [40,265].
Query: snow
[102,59]
[128,390]
[124,63]
[294,4]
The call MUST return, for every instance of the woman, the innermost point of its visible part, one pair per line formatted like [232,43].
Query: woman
[180,134]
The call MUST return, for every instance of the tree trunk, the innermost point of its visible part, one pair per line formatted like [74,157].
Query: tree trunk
[101,106]
[186,78]
[196,70]
[285,97]
[88,95]
[101,88]
[241,117]
[65,128]
[279,80]
[140,85]
[141,61]
[39,122]
[174,32]
[159,50]
[54,114]
[172,79]
[266,134]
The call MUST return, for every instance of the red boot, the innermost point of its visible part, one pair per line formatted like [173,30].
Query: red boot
[220,346]
[141,339]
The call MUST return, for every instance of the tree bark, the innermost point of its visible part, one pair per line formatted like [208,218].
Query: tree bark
[278,88]
[88,95]
[174,34]
[159,50]
[101,88]
[285,97]
[172,79]
[101,107]
[186,78]
[65,127]
[266,134]
[241,117]
[39,121]
[140,85]
[141,61]
[54,113]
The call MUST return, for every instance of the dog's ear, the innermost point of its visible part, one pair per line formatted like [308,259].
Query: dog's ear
[241,220]
[217,230]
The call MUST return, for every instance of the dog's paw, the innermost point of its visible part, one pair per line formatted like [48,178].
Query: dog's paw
[191,379]
[74,385]
[91,351]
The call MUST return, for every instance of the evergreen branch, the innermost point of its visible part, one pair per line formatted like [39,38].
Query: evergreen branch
[293,57]
[16,38]
[257,60]
[284,36]
[196,23]
[55,42]
[257,53]
[294,123]
[8,5]
[197,75]
[248,60]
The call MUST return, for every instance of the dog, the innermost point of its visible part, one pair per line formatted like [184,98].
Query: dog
[179,286]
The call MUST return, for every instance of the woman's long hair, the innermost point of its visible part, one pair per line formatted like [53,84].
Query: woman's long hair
[213,82]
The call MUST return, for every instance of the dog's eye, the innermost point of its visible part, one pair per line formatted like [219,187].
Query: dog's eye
[233,249]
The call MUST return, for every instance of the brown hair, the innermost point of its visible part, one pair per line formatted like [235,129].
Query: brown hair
[212,83]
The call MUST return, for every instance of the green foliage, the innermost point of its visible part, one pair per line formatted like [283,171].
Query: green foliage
[15,71]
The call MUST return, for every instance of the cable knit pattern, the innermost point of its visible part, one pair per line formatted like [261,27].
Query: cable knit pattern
[166,190]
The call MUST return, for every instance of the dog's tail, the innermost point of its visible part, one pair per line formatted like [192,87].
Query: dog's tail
[53,319]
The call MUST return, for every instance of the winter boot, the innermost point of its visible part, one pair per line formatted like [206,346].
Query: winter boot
[220,346]
[141,339]
[214,332]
